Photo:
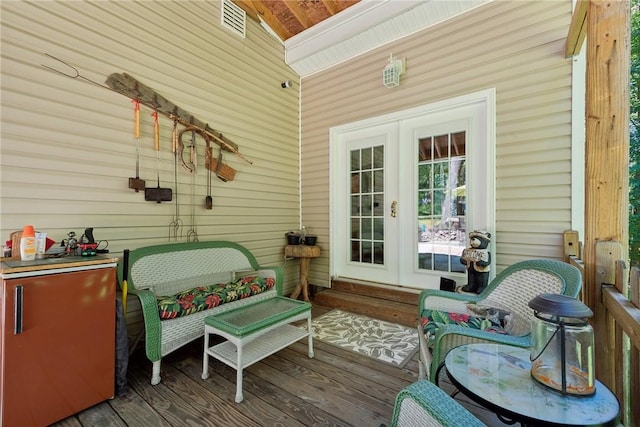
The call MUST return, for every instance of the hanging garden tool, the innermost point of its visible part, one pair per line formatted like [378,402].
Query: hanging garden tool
[193,153]
[137,183]
[192,234]
[223,171]
[157,194]
[208,201]
[175,227]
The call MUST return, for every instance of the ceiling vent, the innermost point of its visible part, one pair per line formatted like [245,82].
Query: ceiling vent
[234,18]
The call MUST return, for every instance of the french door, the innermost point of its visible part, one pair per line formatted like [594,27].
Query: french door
[366,202]
[406,190]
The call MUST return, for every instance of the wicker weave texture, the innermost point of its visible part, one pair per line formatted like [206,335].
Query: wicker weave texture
[424,404]
[412,415]
[188,269]
[446,304]
[517,289]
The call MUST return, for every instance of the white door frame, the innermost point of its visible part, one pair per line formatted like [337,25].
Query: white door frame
[481,174]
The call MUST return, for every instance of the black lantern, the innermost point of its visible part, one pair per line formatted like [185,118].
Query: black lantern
[562,344]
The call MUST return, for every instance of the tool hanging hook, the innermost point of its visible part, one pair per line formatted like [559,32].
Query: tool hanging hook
[73,72]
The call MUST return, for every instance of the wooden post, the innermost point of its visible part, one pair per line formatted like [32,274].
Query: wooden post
[606,152]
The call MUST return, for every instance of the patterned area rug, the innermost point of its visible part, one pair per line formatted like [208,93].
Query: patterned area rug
[386,342]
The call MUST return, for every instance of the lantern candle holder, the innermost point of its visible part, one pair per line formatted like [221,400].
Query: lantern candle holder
[562,345]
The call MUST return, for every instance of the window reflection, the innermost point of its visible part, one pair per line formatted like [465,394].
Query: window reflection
[441,201]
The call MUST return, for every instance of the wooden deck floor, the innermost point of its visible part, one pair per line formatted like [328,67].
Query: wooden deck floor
[335,388]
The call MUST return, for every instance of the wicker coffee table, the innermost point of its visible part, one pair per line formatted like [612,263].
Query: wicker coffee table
[254,332]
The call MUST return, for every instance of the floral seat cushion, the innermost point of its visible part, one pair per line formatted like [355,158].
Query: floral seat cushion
[204,297]
[430,319]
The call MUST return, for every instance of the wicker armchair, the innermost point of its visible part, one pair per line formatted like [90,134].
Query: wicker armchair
[511,290]
[424,404]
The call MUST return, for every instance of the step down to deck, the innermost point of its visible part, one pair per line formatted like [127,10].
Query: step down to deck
[379,303]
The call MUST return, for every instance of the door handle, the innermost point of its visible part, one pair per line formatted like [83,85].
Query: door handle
[394,209]
[17,310]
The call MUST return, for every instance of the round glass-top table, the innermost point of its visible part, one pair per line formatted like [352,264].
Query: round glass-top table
[498,377]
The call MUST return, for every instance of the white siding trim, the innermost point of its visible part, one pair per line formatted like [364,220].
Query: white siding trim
[366,26]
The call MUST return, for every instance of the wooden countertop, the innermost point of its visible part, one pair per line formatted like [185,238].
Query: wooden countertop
[15,265]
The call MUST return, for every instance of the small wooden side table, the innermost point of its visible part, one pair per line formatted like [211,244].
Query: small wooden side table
[304,254]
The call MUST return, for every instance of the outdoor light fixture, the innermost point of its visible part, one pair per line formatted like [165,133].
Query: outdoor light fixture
[562,344]
[392,72]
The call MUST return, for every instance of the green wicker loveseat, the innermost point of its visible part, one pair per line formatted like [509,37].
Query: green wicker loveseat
[180,284]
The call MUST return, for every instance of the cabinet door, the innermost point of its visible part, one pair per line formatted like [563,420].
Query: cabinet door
[59,359]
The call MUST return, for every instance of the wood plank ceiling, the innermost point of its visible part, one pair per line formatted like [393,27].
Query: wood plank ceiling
[290,17]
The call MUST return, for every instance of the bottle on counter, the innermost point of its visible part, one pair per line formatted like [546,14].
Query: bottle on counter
[6,249]
[28,244]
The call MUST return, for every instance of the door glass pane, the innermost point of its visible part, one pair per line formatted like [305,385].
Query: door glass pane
[378,205]
[378,229]
[366,252]
[366,154]
[378,253]
[355,228]
[367,205]
[365,182]
[355,206]
[355,160]
[441,202]
[378,181]
[366,228]
[378,157]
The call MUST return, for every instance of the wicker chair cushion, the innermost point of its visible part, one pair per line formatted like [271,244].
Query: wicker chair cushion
[204,297]
[431,319]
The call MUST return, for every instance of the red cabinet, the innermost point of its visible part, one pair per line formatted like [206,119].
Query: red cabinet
[57,348]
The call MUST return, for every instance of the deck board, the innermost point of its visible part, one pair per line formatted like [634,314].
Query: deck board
[335,388]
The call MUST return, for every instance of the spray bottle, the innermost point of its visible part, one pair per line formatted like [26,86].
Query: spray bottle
[28,244]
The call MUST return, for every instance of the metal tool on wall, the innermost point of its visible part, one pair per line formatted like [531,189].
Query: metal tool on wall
[137,183]
[223,171]
[157,194]
[208,201]
[192,234]
[175,227]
